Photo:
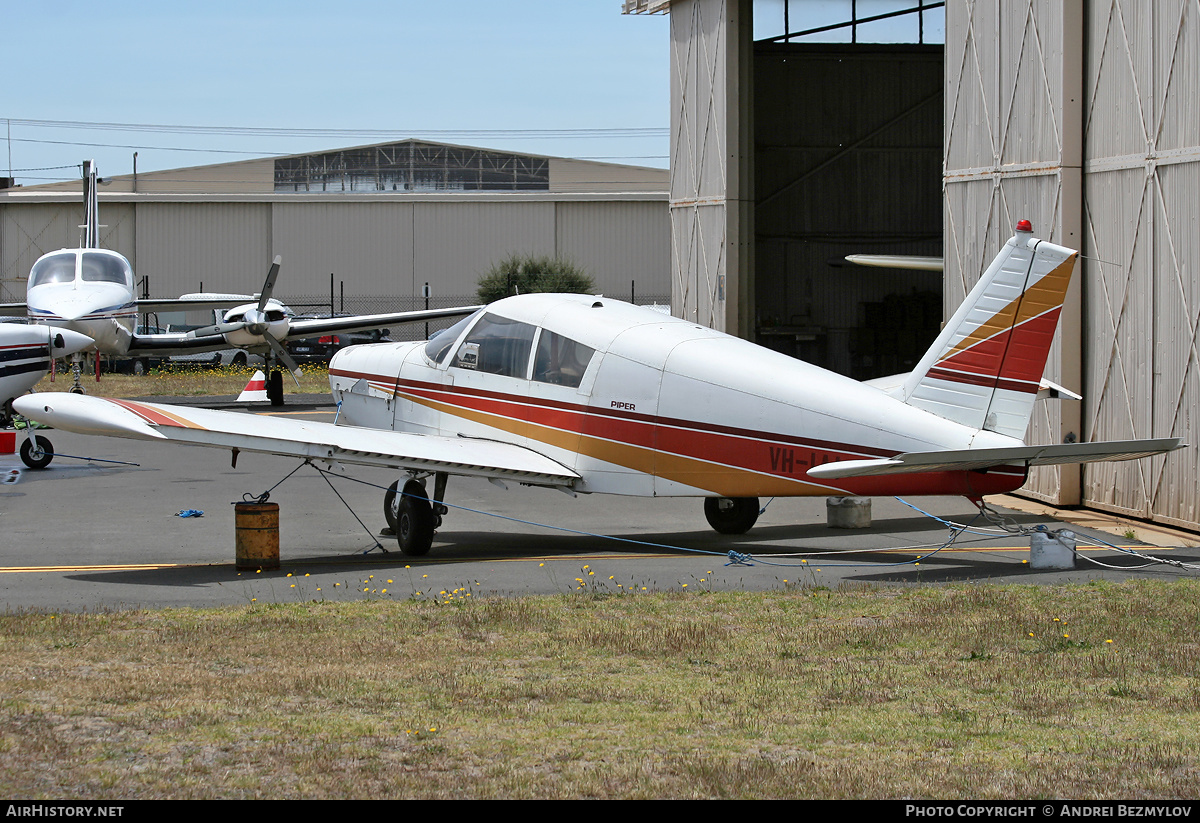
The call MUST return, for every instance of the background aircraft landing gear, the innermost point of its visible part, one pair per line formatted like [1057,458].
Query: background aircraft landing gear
[275,387]
[731,515]
[36,452]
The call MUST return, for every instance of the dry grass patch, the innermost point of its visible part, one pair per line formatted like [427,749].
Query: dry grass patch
[992,692]
[187,380]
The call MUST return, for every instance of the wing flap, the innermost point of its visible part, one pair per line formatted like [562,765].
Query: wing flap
[293,438]
[979,459]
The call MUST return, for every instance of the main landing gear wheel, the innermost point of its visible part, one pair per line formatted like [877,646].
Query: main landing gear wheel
[36,452]
[731,515]
[389,506]
[414,520]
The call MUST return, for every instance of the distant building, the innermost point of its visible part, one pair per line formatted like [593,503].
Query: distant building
[363,228]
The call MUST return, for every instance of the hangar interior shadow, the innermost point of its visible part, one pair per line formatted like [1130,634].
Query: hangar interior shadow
[848,143]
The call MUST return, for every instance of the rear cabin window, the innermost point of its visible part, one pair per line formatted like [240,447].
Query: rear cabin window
[496,345]
[560,360]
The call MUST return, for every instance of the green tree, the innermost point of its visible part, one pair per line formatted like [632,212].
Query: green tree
[526,273]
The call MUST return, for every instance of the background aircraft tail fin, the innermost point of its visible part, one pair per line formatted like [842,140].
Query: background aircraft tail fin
[985,368]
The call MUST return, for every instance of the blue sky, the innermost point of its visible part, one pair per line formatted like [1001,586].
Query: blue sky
[441,70]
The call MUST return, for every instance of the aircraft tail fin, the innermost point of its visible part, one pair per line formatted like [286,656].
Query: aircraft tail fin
[91,207]
[985,368]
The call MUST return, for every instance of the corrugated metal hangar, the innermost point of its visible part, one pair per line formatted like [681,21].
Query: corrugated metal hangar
[372,224]
[798,137]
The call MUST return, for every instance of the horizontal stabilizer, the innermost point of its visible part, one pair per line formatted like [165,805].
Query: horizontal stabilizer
[307,440]
[979,459]
[898,261]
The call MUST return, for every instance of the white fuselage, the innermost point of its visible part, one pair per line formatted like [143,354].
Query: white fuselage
[660,406]
[89,291]
[26,352]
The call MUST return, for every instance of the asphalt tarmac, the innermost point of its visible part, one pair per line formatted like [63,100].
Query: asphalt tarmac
[88,535]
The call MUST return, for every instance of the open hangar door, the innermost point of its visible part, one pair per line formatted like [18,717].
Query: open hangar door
[848,142]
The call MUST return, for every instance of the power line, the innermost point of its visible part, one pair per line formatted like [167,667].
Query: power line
[125,146]
[654,131]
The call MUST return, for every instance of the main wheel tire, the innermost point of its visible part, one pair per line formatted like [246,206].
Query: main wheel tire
[275,388]
[138,368]
[414,521]
[731,515]
[389,505]
[37,455]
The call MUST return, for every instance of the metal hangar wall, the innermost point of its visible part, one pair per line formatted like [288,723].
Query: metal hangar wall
[384,220]
[1080,117]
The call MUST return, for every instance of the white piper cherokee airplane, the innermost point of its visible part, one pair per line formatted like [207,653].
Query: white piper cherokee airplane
[588,394]
[90,290]
[25,355]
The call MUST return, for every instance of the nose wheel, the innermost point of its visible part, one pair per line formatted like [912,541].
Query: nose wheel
[275,387]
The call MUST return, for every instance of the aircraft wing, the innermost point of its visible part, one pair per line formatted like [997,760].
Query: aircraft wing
[897,261]
[195,302]
[298,329]
[13,309]
[181,343]
[978,459]
[304,439]
[169,343]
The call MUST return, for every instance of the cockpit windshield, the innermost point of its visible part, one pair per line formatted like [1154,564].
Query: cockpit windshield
[106,268]
[53,268]
[441,342]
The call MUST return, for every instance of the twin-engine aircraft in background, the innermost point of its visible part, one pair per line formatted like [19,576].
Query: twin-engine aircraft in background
[592,395]
[91,291]
[25,356]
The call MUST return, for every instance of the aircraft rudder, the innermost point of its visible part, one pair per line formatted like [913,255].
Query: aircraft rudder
[984,370]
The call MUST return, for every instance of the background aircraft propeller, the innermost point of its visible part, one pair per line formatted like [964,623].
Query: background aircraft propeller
[255,321]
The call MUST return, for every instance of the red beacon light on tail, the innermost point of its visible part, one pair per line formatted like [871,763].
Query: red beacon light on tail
[1024,225]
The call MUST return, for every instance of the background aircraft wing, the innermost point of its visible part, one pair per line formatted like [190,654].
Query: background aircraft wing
[301,328]
[168,343]
[193,302]
[304,439]
[13,309]
[978,459]
[897,261]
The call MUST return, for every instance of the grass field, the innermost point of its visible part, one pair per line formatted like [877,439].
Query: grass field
[187,380]
[949,692]
[1015,692]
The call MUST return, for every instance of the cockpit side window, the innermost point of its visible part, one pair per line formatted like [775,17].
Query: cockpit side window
[58,268]
[560,360]
[441,341]
[496,345]
[103,268]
